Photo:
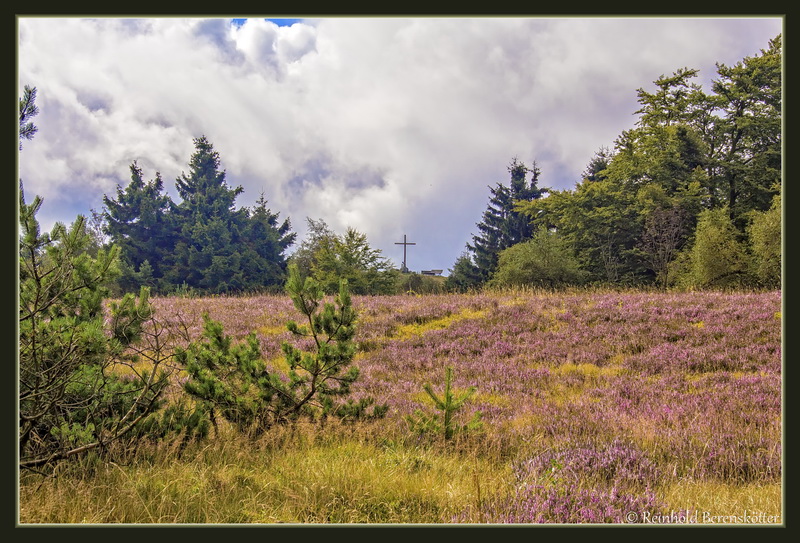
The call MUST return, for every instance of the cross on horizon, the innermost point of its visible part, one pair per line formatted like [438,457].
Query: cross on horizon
[405,244]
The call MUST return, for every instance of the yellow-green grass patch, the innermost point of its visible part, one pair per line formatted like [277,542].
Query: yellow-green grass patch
[327,481]
[717,502]
[417,329]
[272,329]
[588,370]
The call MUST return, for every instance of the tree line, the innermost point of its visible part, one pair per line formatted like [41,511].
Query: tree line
[689,198]
[204,244]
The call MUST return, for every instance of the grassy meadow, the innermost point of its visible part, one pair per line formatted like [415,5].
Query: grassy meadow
[597,407]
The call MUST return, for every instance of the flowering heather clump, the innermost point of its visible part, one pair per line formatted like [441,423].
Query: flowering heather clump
[617,464]
[539,504]
[590,484]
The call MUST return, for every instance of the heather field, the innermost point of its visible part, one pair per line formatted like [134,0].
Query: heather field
[597,407]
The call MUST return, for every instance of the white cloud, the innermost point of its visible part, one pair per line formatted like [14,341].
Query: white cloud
[389,125]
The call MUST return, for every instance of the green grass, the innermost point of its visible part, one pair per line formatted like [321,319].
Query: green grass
[716,499]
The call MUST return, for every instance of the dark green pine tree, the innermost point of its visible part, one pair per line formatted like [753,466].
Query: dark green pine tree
[27,111]
[206,256]
[204,191]
[502,226]
[221,248]
[138,221]
[464,275]
[265,241]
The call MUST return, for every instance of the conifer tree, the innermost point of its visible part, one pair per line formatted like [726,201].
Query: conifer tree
[265,241]
[448,404]
[70,400]
[27,111]
[464,274]
[232,379]
[206,255]
[502,225]
[203,243]
[139,222]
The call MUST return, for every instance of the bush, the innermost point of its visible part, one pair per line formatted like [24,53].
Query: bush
[231,379]
[416,283]
[716,259]
[764,233]
[546,261]
[70,398]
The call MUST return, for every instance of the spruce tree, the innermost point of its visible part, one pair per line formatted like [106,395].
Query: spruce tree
[138,221]
[205,255]
[464,275]
[265,240]
[220,248]
[502,225]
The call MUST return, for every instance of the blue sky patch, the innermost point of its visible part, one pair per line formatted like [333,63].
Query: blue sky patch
[279,22]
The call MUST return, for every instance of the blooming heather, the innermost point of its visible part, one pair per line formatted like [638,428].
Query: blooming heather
[625,391]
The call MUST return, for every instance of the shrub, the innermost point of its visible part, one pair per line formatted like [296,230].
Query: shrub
[232,378]
[764,233]
[448,404]
[546,261]
[70,399]
[717,258]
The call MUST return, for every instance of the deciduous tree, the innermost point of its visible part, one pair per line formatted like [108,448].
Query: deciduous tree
[717,257]
[329,257]
[546,260]
[764,234]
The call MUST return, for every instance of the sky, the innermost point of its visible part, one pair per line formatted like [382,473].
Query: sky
[390,125]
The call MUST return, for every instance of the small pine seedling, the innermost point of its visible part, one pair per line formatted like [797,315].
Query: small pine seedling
[448,404]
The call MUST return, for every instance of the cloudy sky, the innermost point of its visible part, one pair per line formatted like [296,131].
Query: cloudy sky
[391,126]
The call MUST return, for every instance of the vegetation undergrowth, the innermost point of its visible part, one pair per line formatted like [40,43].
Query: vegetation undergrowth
[593,404]
[301,474]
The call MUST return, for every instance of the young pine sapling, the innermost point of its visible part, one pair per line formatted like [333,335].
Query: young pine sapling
[234,381]
[447,404]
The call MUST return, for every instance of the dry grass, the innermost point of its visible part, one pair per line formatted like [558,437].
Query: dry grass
[299,476]
[716,502]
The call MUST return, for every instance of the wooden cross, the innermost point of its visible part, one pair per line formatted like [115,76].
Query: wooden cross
[404,244]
